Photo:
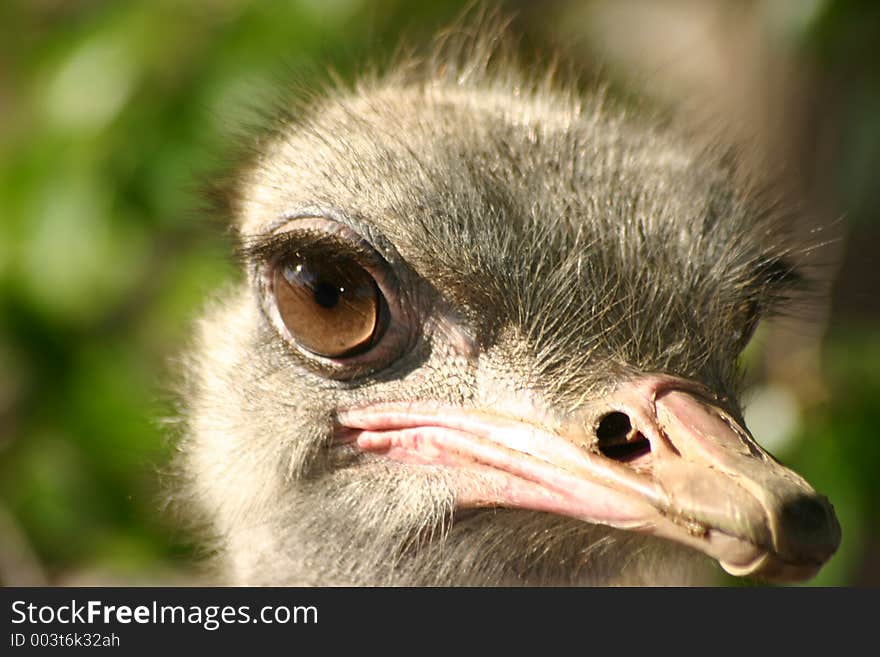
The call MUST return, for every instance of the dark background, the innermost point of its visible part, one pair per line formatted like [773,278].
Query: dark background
[111,112]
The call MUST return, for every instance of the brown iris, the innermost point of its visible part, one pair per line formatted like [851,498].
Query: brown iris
[331,306]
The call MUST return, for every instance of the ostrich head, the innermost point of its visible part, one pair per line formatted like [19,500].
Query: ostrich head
[488,334]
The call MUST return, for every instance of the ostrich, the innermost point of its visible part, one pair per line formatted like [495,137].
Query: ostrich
[488,334]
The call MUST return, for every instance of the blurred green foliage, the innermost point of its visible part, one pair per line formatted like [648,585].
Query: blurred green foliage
[110,113]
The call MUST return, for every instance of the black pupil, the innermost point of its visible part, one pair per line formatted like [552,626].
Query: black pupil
[326,295]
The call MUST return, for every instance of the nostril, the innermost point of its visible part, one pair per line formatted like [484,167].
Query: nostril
[618,440]
[614,427]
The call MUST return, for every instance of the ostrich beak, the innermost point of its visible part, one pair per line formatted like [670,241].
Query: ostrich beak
[658,455]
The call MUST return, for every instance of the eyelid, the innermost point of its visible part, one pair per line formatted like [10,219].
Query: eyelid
[308,233]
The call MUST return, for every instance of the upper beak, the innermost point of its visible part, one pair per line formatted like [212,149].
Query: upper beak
[657,455]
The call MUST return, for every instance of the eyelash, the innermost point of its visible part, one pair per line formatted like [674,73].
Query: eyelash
[268,249]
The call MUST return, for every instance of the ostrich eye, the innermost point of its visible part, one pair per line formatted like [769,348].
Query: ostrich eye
[746,322]
[331,306]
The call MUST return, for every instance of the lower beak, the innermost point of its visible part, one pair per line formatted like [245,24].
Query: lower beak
[656,456]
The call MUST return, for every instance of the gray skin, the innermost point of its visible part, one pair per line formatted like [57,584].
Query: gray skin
[538,252]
